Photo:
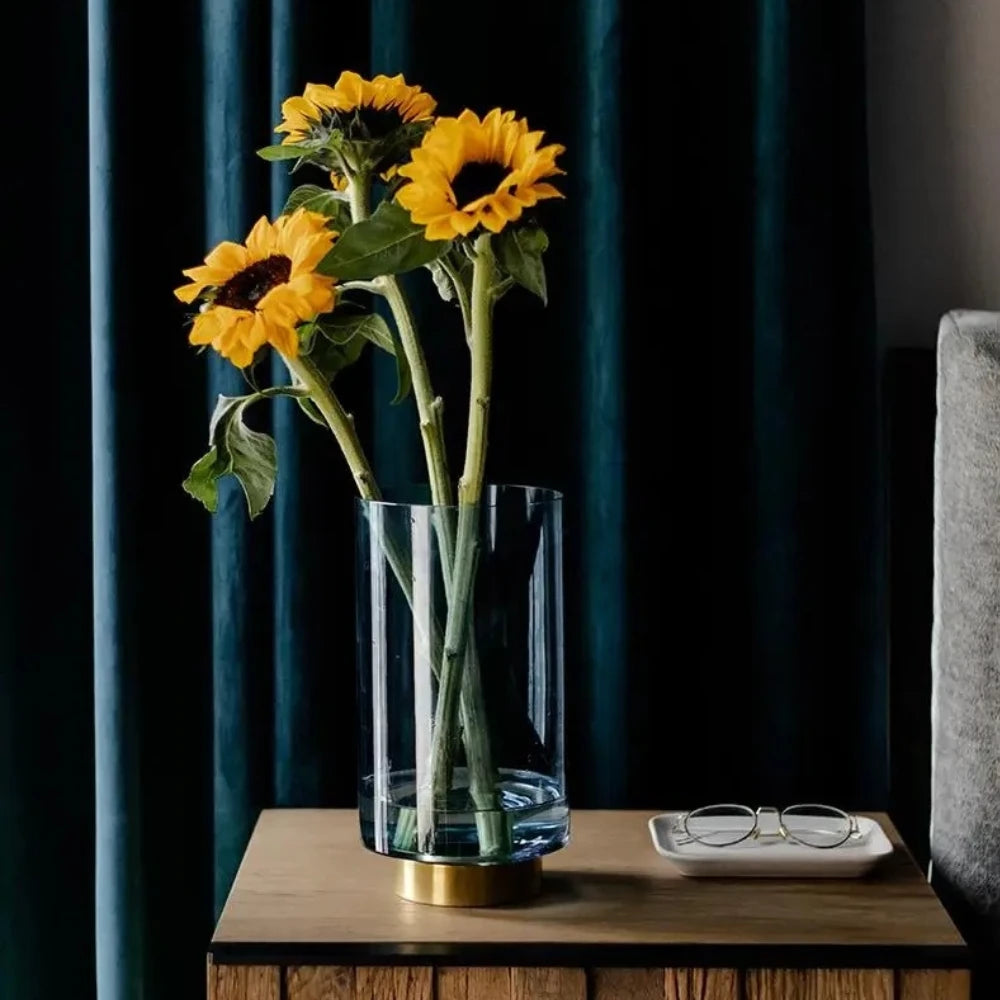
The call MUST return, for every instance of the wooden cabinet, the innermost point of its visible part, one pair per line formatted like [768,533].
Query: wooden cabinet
[312,916]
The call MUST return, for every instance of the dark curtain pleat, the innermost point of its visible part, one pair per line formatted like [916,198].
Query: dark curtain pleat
[313,595]
[818,657]
[602,542]
[236,116]
[397,451]
[151,595]
[46,640]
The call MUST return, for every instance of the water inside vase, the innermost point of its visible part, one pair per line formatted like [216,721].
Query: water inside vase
[532,818]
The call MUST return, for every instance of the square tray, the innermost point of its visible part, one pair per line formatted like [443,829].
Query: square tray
[771,858]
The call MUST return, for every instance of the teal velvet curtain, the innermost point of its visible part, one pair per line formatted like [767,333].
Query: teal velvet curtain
[702,386]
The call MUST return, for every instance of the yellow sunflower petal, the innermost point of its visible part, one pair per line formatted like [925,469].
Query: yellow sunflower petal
[462,224]
[321,95]
[205,328]
[231,257]
[490,219]
[260,242]
[349,90]
[546,191]
[441,229]
[284,338]
[188,293]
[506,206]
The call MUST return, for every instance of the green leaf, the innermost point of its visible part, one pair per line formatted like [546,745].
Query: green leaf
[328,353]
[290,152]
[201,480]
[387,243]
[346,334]
[308,407]
[519,251]
[313,198]
[372,327]
[441,281]
[341,328]
[238,451]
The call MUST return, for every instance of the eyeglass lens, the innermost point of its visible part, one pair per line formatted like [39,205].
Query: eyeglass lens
[721,825]
[816,825]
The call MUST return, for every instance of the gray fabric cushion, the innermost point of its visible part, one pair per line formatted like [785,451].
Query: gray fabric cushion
[965,812]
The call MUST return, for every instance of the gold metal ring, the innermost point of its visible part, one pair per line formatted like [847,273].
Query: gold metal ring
[468,885]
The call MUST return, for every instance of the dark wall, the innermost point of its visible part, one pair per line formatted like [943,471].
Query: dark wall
[909,387]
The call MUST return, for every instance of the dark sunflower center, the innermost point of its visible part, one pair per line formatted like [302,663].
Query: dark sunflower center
[476,179]
[367,122]
[245,289]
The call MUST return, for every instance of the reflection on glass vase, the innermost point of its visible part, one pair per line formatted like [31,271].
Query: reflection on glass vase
[460,683]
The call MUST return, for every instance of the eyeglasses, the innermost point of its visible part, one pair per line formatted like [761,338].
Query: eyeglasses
[808,824]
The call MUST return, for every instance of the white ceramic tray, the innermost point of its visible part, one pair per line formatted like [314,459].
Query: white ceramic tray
[771,858]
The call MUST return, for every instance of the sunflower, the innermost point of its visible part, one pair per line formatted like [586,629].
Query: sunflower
[363,109]
[468,172]
[258,292]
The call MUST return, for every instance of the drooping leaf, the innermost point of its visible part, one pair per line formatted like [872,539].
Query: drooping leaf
[314,198]
[374,328]
[461,265]
[519,252]
[236,450]
[340,328]
[346,334]
[292,151]
[308,407]
[201,482]
[442,282]
[387,243]
[329,354]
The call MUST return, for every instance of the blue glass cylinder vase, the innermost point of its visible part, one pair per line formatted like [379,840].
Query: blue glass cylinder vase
[460,678]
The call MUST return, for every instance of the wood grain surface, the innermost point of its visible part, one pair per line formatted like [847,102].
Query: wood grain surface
[234,982]
[394,983]
[320,982]
[932,984]
[636,984]
[819,984]
[701,984]
[306,878]
[244,982]
[548,984]
[473,984]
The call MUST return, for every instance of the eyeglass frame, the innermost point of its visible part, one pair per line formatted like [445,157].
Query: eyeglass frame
[782,831]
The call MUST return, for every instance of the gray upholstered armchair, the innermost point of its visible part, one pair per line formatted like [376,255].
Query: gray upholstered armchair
[965,815]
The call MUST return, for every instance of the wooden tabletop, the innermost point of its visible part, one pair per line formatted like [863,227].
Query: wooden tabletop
[307,891]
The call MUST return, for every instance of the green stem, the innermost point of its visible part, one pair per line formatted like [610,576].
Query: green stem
[340,422]
[454,690]
[358,195]
[470,486]
[429,406]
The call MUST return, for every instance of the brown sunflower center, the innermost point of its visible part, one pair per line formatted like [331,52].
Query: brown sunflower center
[247,287]
[367,122]
[476,179]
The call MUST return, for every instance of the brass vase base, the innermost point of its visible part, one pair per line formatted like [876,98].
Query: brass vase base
[468,885]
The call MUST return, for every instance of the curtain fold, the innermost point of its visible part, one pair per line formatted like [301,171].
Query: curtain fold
[701,386]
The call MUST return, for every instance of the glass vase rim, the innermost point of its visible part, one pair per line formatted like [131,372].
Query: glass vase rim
[544,495]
